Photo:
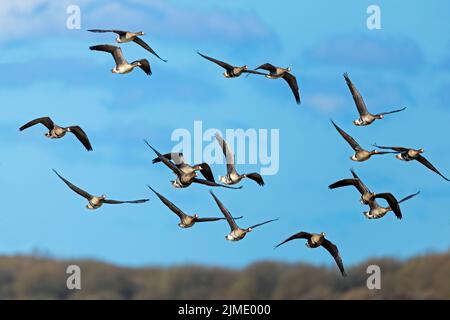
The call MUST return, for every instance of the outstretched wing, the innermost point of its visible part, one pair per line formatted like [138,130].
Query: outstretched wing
[224,65]
[119,32]
[392,201]
[352,142]
[389,112]
[144,45]
[256,177]
[299,235]
[169,204]
[262,223]
[254,72]
[166,161]
[207,172]
[333,250]
[81,136]
[46,121]
[120,202]
[74,188]
[292,81]
[267,66]
[226,213]
[144,65]
[214,219]
[176,157]
[427,164]
[359,101]
[115,51]
[409,197]
[398,149]
[229,157]
[213,184]
[348,182]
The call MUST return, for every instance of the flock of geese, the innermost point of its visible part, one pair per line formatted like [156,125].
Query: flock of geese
[187,174]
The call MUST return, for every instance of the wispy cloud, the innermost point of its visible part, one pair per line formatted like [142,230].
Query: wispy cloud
[364,51]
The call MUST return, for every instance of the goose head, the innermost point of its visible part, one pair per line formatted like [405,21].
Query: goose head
[222,179]
[421,150]
[118,40]
[103,197]
[195,216]
[353,157]
[288,69]
[249,230]
[322,234]
[368,214]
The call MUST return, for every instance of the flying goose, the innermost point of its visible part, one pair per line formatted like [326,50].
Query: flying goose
[236,233]
[365,117]
[409,154]
[95,202]
[122,66]
[360,153]
[185,179]
[231,71]
[315,240]
[57,132]
[127,36]
[178,159]
[368,197]
[186,221]
[232,177]
[285,73]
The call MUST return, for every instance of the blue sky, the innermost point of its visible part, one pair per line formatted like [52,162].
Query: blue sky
[49,70]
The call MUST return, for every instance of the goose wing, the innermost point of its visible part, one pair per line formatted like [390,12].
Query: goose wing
[224,65]
[176,157]
[299,235]
[229,157]
[214,184]
[46,121]
[390,112]
[392,201]
[359,101]
[267,66]
[254,72]
[398,149]
[115,51]
[169,204]
[144,45]
[144,65]
[349,182]
[363,187]
[119,32]
[120,202]
[292,81]
[352,142]
[74,188]
[81,136]
[166,161]
[214,219]
[262,223]
[256,177]
[409,197]
[207,172]
[427,164]
[226,213]
[333,250]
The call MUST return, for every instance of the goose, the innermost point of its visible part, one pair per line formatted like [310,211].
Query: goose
[57,132]
[178,159]
[231,71]
[127,36]
[122,66]
[186,221]
[236,233]
[232,177]
[361,154]
[285,73]
[315,240]
[377,212]
[409,154]
[365,117]
[368,197]
[185,179]
[95,202]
